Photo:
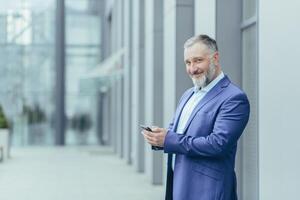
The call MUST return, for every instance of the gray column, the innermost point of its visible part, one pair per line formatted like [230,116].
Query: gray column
[138,80]
[111,115]
[60,73]
[119,99]
[106,115]
[121,114]
[101,95]
[179,26]
[105,31]
[228,36]
[121,76]
[127,80]
[113,110]
[205,17]
[114,27]
[154,83]
[118,118]
[105,52]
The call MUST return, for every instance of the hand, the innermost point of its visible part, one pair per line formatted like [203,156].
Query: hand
[155,138]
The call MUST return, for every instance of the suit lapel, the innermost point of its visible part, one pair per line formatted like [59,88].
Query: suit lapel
[209,96]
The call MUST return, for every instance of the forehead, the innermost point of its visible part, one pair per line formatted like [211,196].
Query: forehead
[196,50]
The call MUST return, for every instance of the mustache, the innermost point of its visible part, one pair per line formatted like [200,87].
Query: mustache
[196,72]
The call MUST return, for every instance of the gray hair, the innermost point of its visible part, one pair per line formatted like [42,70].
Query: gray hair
[210,43]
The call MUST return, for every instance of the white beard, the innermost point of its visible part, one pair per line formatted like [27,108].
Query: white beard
[200,82]
[206,78]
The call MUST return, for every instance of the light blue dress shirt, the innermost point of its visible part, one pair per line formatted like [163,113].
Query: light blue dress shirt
[192,103]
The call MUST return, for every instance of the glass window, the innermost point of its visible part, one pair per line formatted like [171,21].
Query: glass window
[27,69]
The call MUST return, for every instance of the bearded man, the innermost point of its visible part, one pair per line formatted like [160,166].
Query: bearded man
[201,141]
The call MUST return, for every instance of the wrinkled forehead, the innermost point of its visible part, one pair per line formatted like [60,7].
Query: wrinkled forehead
[196,50]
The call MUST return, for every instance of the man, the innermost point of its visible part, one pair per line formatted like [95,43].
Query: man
[203,136]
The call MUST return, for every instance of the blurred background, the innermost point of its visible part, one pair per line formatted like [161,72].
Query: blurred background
[78,77]
[30,32]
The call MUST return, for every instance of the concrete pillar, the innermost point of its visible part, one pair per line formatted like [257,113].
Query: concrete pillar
[179,26]
[113,111]
[117,39]
[205,17]
[127,80]
[60,73]
[138,80]
[154,83]
[105,31]
[99,117]
[106,115]
[118,114]
[228,36]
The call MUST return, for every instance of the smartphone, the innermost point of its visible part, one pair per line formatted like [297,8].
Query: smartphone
[147,128]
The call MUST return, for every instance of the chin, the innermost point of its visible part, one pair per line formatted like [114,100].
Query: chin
[199,82]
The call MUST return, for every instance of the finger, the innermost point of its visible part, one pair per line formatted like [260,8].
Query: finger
[150,134]
[155,128]
[151,140]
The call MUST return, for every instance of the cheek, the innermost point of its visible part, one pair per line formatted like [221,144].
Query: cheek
[205,67]
[187,69]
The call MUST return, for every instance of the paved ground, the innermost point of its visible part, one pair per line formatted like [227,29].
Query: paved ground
[72,173]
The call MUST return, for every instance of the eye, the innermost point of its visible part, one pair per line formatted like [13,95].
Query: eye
[198,60]
[187,62]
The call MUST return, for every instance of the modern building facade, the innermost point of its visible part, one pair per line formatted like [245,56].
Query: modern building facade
[256,40]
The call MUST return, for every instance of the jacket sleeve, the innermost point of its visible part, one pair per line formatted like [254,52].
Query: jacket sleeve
[228,127]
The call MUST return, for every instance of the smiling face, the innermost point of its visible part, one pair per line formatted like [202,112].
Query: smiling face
[201,65]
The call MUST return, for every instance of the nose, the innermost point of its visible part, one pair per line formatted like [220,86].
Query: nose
[193,67]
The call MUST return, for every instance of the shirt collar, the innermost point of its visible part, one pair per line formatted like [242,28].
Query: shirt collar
[211,84]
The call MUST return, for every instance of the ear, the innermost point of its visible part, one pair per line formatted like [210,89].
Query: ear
[216,58]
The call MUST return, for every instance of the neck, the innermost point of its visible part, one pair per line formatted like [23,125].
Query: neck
[217,73]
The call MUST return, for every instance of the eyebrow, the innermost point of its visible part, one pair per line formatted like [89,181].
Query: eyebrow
[193,58]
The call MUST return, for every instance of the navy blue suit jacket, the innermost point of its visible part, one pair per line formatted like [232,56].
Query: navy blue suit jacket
[205,153]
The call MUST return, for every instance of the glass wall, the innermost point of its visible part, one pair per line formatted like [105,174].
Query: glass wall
[27,69]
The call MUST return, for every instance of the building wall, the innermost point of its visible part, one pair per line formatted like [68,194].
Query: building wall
[279,98]
[256,52]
